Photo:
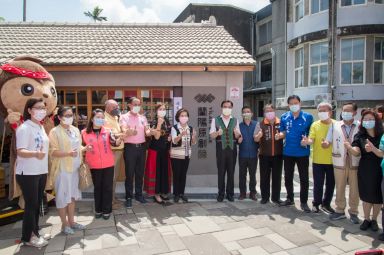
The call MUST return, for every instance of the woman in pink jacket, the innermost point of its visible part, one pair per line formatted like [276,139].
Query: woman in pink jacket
[99,157]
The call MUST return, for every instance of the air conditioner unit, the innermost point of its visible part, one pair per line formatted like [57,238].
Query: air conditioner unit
[322,97]
[281,102]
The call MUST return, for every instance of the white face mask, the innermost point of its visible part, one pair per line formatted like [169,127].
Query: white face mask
[323,115]
[161,113]
[39,115]
[67,121]
[227,111]
[294,108]
[136,109]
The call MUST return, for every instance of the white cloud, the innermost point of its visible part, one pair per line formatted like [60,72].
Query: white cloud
[158,10]
[117,11]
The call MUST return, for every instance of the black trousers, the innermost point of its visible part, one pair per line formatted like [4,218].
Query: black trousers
[321,173]
[32,187]
[179,169]
[247,165]
[289,169]
[103,187]
[134,168]
[226,162]
[270,165]
[162,178]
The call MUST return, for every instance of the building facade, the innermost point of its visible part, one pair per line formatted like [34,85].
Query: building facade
[158,63]
[335,51]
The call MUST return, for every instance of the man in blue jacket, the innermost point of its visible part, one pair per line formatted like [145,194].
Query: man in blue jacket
[248,150]
[294,128]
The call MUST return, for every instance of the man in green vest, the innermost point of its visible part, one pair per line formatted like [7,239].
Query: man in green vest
[225,130]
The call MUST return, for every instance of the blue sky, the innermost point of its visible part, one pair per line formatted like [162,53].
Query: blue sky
[114,10]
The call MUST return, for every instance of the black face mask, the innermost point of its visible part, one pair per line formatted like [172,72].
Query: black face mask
[115,112]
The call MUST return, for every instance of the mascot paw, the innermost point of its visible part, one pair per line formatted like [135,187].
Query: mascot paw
[13,117]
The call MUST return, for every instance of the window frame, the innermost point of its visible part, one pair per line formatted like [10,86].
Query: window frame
[377,61]
[310,8]
[299,68]
[353,61]
[259,28]
[318,67]
[296,4]
[353,4]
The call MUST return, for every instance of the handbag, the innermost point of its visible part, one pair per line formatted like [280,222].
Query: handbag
[85,177]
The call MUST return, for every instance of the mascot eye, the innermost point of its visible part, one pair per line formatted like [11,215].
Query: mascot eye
[27,89]
[53,91]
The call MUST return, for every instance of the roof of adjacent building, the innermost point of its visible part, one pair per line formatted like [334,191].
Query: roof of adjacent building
[122,44]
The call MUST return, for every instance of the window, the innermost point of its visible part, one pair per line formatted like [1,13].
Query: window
[299,9]
[379,1]
[318,64]
[352,61]
[266,70]
[378,69]
[299,68]
[319,6]
[87,99]
[265,33]
[352,2]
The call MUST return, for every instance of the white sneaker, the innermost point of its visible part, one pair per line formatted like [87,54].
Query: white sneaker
[46,237]
[37,242]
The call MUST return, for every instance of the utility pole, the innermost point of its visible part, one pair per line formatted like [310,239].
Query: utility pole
[24,10]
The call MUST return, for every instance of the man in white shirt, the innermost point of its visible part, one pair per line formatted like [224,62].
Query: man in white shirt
[225,130]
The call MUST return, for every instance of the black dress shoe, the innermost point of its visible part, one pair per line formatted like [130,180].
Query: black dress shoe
[365,225]
[230,198]
[278,202]
[374,226]
[315,209]
[220,198]
[328,209]
[176,199]
[264,201]
[98,215]
[128,203]
[184,198]
[287,202]
[141,199]
[305,207]
[166,198]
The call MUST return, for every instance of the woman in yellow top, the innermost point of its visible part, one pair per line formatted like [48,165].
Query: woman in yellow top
[65,153]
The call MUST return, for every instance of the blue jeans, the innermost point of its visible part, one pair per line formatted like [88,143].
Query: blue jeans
[321,173]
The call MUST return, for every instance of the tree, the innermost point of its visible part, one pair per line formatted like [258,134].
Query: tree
[95,14]
[2,19]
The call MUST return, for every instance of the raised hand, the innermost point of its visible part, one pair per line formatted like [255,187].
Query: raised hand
[219,132]
[13,117]
[347,145]
[369,147]
[304,141]
[89,147]
[259,135]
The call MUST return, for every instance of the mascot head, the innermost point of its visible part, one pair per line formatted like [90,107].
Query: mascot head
[23,78]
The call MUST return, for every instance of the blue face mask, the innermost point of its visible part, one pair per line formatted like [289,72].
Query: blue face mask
[369,124]
[98,122]
[347,116]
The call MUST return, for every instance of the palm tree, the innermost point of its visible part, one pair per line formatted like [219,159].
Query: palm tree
[95,14]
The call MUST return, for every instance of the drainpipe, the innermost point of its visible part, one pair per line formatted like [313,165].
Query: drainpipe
[332,27]
[273,85]
[24,10]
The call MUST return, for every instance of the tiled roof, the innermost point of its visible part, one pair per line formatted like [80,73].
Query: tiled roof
[122,44]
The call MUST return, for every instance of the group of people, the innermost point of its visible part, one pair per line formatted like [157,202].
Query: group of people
[346,152]
[157,155]
[150,151]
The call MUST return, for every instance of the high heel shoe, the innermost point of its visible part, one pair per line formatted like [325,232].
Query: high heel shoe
[159,201]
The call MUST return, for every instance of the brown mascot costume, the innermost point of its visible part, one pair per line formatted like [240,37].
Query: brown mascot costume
[20,79]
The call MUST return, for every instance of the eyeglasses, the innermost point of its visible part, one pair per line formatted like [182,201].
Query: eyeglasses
[68,116]
[40,108]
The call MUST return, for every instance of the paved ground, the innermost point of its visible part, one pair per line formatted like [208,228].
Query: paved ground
[199,227]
